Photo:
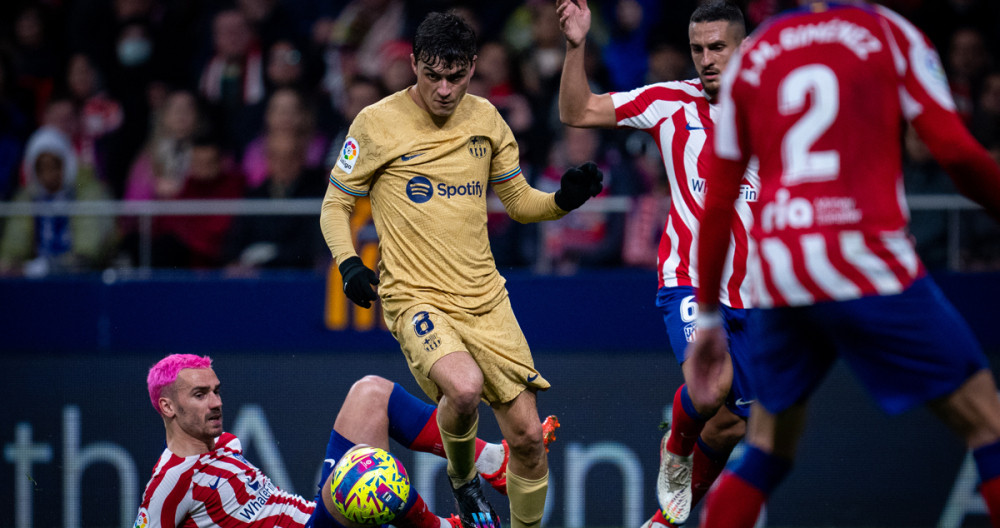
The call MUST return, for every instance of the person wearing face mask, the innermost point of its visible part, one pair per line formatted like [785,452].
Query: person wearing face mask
[134,47]
[130,75]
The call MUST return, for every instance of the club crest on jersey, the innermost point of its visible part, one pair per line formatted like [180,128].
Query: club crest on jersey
[479,146]
[349,155]
[419,189]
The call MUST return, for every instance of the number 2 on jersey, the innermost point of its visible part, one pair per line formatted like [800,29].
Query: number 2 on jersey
[801,164]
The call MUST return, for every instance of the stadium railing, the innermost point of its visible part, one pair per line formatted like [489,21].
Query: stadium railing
[144,211]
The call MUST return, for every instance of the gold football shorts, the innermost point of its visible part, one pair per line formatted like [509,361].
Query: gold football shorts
[494,339]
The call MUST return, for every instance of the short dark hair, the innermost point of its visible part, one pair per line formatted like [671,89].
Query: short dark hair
[720,10]
[446,39]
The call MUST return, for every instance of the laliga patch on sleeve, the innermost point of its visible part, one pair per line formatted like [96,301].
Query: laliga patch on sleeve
[142,521]
[349,155]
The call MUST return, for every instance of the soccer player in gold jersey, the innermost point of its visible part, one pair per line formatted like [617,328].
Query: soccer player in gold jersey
[424,156]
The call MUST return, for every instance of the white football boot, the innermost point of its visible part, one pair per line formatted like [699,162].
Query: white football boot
[673,484]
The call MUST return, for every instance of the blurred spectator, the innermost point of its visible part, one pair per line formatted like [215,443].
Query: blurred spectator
[122,39]
[986,119]
[980,238]
[285,67]
[631,22]
[668,63]
[197,241]
[158,171]
[494,82]
[281,241]
[645,221]
[396,70]
[353,41]
[64,114]
[271,21]
[940,19]
[100,116]
[361,92]
[583,239]
[37,56]
[233,80]
[55,243]
[15,125]
[363,28]
[922,176]
[541,60]
[967,62]
[287,114]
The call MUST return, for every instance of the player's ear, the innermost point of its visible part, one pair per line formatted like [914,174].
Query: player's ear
[744,43]
[413,64]
[167,407]
[472,66]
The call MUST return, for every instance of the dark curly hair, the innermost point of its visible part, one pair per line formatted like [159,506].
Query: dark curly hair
[445,39]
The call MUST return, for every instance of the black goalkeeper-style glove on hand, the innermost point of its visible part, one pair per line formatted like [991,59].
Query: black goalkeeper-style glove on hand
[578,185]
[358,280]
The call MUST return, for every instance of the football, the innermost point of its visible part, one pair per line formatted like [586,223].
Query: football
[369,486]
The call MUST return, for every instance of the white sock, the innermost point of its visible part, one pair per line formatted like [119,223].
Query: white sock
[490,459]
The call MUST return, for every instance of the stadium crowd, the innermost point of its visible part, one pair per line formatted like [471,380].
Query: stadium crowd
[201,99]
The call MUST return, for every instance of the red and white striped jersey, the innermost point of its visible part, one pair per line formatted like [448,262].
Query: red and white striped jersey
[217,488]
[680,119]
[819,97]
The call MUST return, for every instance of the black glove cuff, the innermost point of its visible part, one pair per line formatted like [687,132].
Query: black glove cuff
[567,203]
[349,265]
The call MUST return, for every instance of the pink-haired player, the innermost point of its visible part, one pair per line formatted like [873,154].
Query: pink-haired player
[203,479]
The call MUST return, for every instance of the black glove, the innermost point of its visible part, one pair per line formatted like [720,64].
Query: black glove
[578,185]
[358,280]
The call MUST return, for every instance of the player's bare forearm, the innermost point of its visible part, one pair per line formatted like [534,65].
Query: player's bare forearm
[578,106]
[708,371]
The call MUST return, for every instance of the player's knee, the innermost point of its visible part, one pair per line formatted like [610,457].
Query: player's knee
[371,389]
[464,398]
[725,433]
[526,445]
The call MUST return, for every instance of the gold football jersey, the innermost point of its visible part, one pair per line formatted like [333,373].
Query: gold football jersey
[427,185]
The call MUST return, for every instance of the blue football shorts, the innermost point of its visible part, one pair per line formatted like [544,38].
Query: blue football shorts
[906,349]
[679,309]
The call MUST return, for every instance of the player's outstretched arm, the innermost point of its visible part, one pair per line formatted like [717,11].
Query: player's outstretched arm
[578,106]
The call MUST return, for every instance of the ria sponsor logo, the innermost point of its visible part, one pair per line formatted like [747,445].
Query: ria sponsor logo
[420,190]
[785,212]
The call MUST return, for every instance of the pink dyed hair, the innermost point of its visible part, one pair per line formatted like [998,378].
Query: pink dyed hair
[164,372]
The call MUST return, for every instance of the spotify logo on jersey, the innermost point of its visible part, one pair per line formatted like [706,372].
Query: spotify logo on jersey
[419,189]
